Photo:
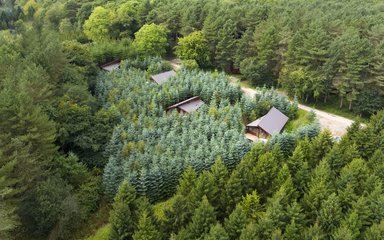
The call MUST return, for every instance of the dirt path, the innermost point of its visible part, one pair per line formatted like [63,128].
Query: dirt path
[336,124]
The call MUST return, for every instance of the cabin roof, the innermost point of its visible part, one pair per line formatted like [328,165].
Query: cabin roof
[163,77]
[110,66]
[272,122]
[188,105]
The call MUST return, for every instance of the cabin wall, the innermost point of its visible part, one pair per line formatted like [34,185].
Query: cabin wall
[258,132]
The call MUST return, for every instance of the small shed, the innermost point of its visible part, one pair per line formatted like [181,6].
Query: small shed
[163,77]
[110,66]
[273,122]
[187,106]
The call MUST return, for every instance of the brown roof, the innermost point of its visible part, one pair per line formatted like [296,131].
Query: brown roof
[163,77]
[109,66]
[188,105]
[273,122]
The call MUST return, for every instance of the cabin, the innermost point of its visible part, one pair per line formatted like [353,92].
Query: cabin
[163,77]
[186,106]
[272,122]
[110,66]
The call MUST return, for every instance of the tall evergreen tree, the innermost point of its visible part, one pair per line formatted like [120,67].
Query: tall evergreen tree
[236,222]
[123,213]
[146,228]
[226,45]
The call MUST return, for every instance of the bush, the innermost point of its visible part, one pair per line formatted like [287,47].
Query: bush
[190,64]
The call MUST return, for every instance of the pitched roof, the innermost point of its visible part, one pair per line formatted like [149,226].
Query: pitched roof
[111,65]
[188,105]
[273,122]
[163,77]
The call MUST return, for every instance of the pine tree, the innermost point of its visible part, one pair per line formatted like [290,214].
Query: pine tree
[203,218]
[217,232]
[226,45]
[236,221]
[330,214]
[146,228]
[321,145]
[177,216]
[122,216]
[313,232]
[9,220]
[220,176]
[375,232]
[233,191]
[112,176]
[352,65]
[250,232]
[252,206]
[187,182]
[298,167]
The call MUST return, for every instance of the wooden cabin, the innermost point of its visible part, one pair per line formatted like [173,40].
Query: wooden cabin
[186,106]
[273,122]
[163,77]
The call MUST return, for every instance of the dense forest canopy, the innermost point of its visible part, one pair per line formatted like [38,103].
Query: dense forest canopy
[76,141]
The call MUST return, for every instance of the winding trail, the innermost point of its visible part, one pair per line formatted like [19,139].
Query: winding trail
[336,124]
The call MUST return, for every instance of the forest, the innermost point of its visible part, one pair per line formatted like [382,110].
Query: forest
[94,155]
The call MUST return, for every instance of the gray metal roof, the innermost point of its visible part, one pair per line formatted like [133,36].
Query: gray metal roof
[273,122]
[110,66]
[163,77]
[191,106]
[188,105]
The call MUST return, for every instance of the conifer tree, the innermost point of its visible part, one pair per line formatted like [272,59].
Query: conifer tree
[330,214]
[122,216]
[236,222]
[250,232]
[177,216]
[146,228]
[226,45]
[217,232]
[252,206]
[375,232]
[202,220]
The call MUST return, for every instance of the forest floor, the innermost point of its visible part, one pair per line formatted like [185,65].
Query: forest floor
[338,125]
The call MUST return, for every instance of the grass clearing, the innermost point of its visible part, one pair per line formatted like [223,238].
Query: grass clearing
[332,106]
[303,118]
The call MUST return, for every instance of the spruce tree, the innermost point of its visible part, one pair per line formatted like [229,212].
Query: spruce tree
[202,220]
[330,214]
[226,45]
[146,228]
[217,232]
[122,216]
[236,222]
[375,232]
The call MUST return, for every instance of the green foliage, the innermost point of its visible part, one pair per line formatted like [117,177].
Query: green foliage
[151,40]
[235,222]
[56,124]
[165,140]
[152,65]
[97,27]
[193,47]
[202,219]
[146,228]
[123,213]
[217,232]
